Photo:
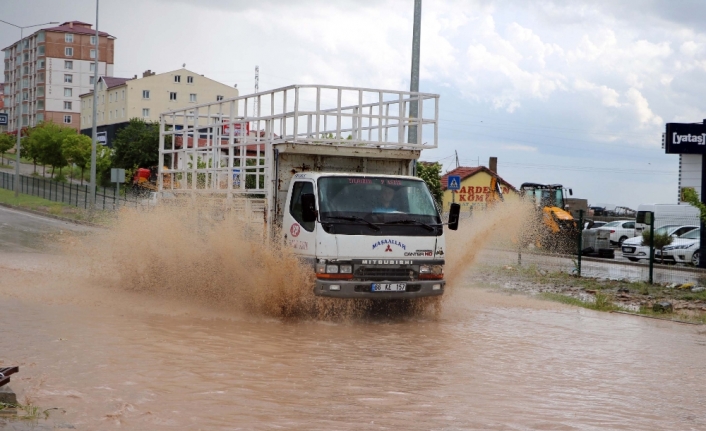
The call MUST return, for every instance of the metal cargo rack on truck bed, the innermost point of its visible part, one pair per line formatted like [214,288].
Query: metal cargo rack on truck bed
[229,149]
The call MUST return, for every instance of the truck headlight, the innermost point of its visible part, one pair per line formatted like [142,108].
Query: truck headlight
[320,268]
[431,272]
[331,269]
[346,269]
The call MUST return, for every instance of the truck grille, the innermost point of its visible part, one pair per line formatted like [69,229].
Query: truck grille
[386,272]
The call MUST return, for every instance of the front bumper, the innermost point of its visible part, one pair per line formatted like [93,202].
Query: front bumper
[639,252]
[362,289]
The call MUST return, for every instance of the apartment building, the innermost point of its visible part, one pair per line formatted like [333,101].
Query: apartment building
[48,70]
[120,99]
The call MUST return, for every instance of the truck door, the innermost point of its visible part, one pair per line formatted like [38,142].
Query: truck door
[299,234]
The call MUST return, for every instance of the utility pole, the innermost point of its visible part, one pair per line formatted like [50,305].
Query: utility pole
[414,79]
[457,164]
[94,129]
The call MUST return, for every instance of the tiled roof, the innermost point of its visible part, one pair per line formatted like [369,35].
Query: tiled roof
[111,81]
[77,28]
[465,172]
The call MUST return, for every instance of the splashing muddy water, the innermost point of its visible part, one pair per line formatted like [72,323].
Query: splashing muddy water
[111,350]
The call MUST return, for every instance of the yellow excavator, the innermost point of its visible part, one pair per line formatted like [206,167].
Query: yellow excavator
[559,230]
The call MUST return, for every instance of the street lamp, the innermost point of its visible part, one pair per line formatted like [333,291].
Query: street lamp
[19,104]
[94,125]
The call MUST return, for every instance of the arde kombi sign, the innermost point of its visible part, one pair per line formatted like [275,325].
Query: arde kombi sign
[685,138]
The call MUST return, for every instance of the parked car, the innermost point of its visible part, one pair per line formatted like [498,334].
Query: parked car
[596,224]
[684,249]
[620,230]
[634,250]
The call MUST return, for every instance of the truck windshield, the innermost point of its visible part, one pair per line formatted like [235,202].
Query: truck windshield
[397,206]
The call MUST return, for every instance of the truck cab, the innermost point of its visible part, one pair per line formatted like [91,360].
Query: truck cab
[366,236]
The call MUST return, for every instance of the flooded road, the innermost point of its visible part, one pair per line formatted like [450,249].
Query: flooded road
[112,359]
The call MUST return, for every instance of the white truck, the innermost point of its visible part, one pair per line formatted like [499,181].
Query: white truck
[329,172]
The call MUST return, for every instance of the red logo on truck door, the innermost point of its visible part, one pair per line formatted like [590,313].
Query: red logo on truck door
[294,230]
[388,248]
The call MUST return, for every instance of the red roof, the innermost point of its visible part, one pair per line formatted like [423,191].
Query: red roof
[78,28]
[465,172]
[111,81]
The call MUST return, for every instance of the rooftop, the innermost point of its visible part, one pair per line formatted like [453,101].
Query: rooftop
[465,172]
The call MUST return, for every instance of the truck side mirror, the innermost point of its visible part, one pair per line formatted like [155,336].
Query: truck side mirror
[571,192]
[454,213]
[308,207]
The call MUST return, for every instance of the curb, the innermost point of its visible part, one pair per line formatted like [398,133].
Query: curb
[43,214]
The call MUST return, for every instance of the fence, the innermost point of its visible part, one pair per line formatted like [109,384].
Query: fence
[616,251]
[68,193]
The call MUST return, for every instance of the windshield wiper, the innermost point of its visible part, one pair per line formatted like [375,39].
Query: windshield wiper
[356,218]
[410,221]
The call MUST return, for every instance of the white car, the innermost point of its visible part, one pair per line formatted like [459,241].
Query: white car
[634,250]
[620,230]
[684,249]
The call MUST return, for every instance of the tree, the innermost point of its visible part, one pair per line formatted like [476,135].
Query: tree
[431,174]
[137,144]
[689,195]
[660,240]
[49,138]
[30,150]
[77,150]
[7,141]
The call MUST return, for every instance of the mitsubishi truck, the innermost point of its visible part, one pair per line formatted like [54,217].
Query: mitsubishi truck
[327,171]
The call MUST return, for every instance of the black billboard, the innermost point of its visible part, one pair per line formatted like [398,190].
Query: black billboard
[685,138]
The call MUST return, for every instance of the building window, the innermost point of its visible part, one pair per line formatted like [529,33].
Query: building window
[93,53]
[40,50]
[110,97]
[172,95]
[92,67]
[177,78]
[69,52]
[68,92]
[192,97]
[110,115]
[68,78]
[40,64]
[145,112]
[122,113]
[40,104]
[145,94]
[122,95]
[68,38]
[67,105]
[67,119]
[40,91]
[93,40]
[219,98]
[68,64]
[189,79]
[92,80]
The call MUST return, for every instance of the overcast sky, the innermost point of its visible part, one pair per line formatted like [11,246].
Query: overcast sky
[570,92]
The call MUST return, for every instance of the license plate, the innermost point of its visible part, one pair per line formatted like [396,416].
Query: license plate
[389,287]
[628,249]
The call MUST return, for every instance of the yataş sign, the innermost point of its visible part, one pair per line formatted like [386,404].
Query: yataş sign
[685,138]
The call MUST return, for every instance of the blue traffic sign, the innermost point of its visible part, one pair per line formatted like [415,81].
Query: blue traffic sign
[3,120]
[454,182]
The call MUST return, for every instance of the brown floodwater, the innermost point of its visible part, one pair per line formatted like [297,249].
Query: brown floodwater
[105,357]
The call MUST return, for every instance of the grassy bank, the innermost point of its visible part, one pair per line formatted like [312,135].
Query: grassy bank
[58,209]
[600,294]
